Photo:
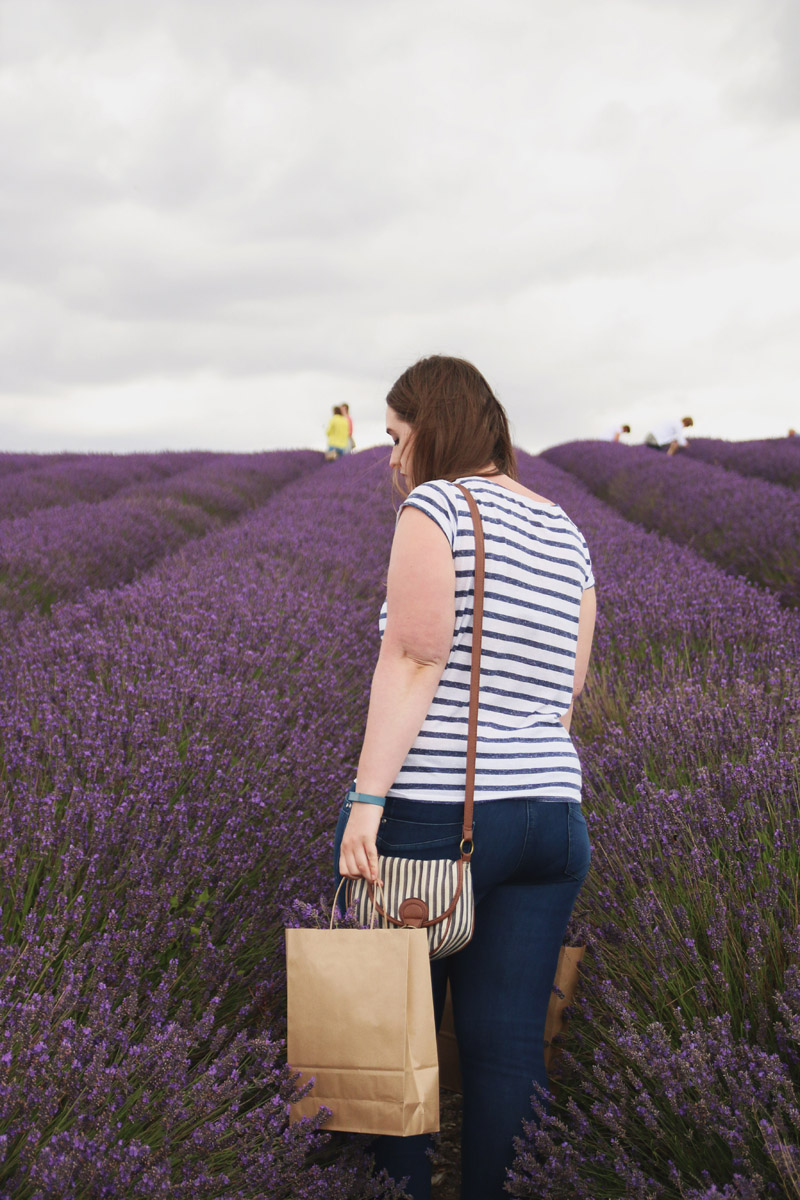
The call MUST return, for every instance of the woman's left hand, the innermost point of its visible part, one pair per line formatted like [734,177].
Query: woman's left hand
[359,853]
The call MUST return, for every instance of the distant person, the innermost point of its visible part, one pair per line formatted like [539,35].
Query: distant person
[350,443]
[792,433]
[338,434]
[669,436]
[614,434]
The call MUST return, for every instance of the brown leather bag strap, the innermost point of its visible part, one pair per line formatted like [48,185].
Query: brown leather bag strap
[475,672]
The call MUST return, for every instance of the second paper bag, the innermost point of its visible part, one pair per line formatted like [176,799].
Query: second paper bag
[360,1021]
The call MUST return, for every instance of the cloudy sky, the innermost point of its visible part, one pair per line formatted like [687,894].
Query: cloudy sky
[220,217]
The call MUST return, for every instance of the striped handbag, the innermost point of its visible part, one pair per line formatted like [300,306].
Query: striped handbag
[436,894]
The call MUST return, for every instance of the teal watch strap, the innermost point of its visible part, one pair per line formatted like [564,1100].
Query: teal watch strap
[365,798]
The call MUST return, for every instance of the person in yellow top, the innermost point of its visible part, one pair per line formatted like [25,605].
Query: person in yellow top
[338,435]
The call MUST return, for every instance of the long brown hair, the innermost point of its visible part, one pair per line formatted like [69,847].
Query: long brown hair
[459,426]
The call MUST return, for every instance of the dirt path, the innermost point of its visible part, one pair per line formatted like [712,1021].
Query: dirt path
[447,1172]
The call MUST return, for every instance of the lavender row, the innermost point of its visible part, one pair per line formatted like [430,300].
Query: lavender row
[173,755]
[58,553]
[12,463]
[90,477]
[775,459]
[688,1015]
[747,526]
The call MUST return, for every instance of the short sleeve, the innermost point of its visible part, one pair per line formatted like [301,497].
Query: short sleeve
[587,563]
[435,500]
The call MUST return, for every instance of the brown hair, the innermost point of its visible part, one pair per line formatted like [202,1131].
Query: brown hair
[459,426]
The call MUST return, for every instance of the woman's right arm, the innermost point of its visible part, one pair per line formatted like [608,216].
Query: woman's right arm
[420,602]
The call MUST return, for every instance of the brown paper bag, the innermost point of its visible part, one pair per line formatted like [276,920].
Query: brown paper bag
[566,981]
[360,1021]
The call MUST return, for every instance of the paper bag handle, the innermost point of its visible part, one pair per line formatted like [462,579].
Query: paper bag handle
[342,882]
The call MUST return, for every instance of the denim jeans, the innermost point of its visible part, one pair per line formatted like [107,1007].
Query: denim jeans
[530,860]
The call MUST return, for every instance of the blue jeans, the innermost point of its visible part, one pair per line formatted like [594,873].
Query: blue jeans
[531,858]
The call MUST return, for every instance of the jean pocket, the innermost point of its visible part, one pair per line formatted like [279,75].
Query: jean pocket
[579,855]
[418,839]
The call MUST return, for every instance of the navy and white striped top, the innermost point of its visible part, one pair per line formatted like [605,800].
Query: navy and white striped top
[537,567]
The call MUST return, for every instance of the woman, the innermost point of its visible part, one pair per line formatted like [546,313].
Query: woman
[345,411]
[531,848]
[338,434]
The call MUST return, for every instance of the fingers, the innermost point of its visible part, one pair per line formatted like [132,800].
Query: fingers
[359,861]
[359,853]
[372,861]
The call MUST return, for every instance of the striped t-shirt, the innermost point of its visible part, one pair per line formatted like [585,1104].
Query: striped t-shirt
[537,567]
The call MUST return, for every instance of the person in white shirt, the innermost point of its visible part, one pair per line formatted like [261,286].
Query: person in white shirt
[614,434]
[669,435]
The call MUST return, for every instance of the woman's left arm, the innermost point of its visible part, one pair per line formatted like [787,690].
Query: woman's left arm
[420,598]
[586,622]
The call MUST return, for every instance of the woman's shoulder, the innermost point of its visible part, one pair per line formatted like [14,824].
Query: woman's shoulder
[437,498]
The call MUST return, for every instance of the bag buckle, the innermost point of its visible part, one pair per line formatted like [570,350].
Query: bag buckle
[413,912]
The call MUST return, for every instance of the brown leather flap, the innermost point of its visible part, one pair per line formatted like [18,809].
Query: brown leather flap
[413,912]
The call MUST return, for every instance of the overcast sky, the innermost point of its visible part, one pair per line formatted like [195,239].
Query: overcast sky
[220,218]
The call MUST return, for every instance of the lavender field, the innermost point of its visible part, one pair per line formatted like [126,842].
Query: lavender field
[173,752]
